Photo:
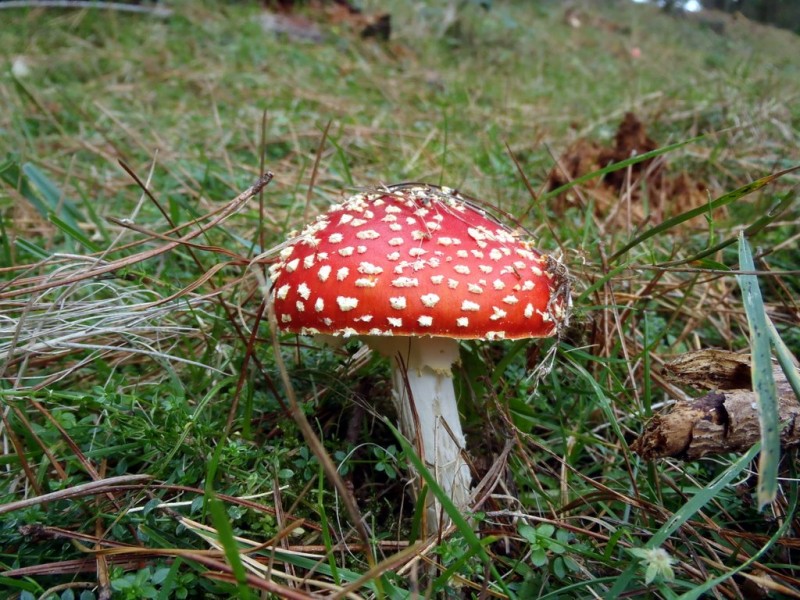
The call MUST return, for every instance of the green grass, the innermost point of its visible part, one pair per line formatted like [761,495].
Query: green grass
[165,365]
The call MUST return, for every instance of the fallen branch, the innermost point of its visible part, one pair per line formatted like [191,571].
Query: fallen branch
[156,11]
[722,421]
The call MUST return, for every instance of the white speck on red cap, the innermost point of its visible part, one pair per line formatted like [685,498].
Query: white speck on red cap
[429,300]
[403,282]
[369,269]
[324,272]
[345,303]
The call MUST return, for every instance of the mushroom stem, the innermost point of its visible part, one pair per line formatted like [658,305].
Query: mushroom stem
[428,413]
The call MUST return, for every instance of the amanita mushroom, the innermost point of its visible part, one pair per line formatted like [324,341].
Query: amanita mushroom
[411,269]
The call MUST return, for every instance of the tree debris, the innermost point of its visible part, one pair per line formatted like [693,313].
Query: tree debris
[710,370]
[724,420]
[310,23]
[643,192]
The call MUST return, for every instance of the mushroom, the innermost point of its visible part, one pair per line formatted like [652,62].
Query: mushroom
[410,269]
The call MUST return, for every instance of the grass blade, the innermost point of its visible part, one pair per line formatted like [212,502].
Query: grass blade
[618,166]
[327,540]
[701,498]
[603,400]
[464,528]
[342,156]
[763,380]
[5,248]
[686,512]
[34,250]
[787,522]
[168,584]
[785,358]
[231,548]
[73,232]
[49,194]
[348,576]
[723,200]
[786,200]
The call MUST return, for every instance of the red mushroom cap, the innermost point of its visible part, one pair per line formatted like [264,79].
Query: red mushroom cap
[416,260]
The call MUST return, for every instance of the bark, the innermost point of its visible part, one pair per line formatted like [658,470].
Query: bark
[722,421]
[717,423]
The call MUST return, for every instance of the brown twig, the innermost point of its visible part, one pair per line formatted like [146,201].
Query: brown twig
[100,486]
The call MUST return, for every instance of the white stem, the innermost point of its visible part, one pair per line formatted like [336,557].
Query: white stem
[428,413]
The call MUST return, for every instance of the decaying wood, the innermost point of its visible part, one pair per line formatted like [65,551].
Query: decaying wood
[717,423]
[724,420]
[710,370]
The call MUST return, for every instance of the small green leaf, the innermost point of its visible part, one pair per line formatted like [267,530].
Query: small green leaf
[151,504]
[539,557]
[121,584]
[148,591]
[557,547]
[160,575]
[650,574]
[545,530]
[528,532]
[559,569]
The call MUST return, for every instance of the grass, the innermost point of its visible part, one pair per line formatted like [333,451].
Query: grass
[127,353]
